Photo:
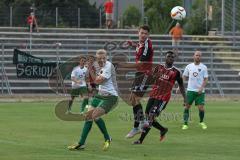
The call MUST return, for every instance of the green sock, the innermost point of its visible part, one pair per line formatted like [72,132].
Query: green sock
[86,129]
[101,125]
[186,116]
[84,103]
[201,115]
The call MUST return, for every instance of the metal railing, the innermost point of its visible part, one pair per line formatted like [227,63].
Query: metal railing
[4,80]
[55,17]
[181,62]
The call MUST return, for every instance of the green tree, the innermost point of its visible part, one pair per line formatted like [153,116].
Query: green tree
[46,13]
[196,22]
[158,14]
[131,16]
[68,11]
[4,13]
[216,14]
[21,10]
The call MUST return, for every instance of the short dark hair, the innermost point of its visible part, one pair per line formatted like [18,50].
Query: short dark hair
[90,56]
[82,57]
[169,52]
[145,27]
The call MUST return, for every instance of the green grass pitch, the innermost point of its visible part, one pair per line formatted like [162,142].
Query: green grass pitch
[31,131]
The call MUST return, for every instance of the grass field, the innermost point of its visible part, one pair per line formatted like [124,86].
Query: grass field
[31,131]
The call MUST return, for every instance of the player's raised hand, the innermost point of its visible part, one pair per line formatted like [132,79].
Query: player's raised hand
[78,81]
[200,90]
[131,43]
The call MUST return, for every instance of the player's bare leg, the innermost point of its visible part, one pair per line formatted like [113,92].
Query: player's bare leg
[70,103]
[152,122]
[88,114]
[97,113]
[135,100]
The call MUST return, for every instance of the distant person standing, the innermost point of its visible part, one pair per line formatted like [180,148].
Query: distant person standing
[176,33]
[80,84]
[32,22]
[109,13]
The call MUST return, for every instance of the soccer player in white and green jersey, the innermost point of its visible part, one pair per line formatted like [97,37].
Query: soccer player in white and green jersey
[197,75]
[79,84]
[102,103]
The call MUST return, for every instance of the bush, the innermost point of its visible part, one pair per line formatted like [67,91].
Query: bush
[131,17]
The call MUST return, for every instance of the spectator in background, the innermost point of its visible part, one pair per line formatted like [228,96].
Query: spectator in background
[176,33]
[32,22]
[109,13]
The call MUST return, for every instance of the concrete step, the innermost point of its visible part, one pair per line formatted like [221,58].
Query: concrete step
[69,30]
[85,41]
[107,31]
[96,40]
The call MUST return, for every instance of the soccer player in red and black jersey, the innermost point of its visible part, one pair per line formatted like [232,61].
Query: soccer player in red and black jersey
[163,77]
[91,72]
[144,58]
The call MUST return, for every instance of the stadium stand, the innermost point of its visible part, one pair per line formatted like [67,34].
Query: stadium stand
[220,54]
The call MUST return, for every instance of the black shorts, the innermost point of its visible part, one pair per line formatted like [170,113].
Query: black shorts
[155,106]
[140,84]
[94,88]
[33,27]
[93,85]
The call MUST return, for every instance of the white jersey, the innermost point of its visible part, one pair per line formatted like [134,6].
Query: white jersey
[80,74]
[109,86]
[196,75]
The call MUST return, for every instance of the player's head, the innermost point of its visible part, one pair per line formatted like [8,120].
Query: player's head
[197,57]
[91,59]
[82,61]
[32,13]
[143,33]
[170,57]
[101,56]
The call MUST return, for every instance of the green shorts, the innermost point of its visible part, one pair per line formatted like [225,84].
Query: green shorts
[105,102]
[79,91]
[194,96]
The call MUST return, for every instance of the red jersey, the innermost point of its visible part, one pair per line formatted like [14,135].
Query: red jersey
[164,81]
[108,7]
[144,53]
[30,20]
[91,71]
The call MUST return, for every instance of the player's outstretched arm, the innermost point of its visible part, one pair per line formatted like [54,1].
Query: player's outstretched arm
[99,79]
[131,43]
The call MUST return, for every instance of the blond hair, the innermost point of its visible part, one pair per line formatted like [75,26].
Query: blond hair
[101,51]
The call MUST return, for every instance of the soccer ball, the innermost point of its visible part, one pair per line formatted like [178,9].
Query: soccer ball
[178,13]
